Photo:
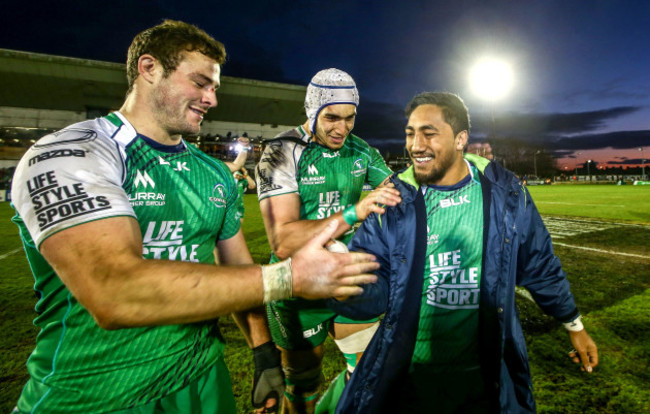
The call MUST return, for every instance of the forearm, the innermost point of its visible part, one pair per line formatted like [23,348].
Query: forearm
[239,161]
[160,292]
[254,326]
[251,182]
[289,237]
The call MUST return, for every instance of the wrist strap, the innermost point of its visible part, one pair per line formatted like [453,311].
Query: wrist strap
[575,325]
[350,215]
[277,280]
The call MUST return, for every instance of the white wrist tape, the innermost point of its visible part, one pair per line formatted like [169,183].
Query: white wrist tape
[575,325]
[358,341]
[277,280]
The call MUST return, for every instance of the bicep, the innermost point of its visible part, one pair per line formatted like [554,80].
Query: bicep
[279,211]
[87,256]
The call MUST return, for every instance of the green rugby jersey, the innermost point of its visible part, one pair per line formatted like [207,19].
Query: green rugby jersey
[242,186]
[326,180]
[447,338]
[183,200]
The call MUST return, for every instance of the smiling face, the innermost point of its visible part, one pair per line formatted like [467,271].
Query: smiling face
[181,99]
[334,124]
[436,153]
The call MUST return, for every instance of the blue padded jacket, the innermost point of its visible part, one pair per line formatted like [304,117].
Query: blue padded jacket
[517,250]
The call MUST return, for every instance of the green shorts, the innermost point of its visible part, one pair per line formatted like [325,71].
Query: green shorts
[300,324]
[210,393]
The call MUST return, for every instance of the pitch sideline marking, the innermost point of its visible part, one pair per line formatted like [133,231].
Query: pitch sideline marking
[578,204]
[600,250]
[4,256]
[578,220]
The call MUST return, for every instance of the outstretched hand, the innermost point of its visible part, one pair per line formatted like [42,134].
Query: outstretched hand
[319,274]
[585,351]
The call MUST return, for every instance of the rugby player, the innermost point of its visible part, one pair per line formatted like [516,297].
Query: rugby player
[119,218]
[243,146]
[244,182]
[308,177]
[452,252]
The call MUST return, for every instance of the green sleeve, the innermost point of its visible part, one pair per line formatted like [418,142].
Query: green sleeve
[377,168]
[231,224]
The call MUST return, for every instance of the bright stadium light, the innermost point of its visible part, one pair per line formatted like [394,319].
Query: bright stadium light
[491,79]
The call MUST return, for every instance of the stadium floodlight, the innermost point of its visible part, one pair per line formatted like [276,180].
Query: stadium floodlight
[491,79]
[642,164]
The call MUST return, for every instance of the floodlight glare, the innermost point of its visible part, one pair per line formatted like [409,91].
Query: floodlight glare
[491,79]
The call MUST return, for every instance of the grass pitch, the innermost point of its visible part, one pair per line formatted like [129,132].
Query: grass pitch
[612,292]
[630,203]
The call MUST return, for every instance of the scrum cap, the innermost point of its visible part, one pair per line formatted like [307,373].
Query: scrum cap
[329,87]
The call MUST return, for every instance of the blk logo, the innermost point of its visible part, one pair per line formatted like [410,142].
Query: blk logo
[181,166]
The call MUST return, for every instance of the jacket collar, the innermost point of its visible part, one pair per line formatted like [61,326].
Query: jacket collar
[407,177]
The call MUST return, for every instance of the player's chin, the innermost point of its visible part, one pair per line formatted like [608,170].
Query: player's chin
[192,129]
[337,143]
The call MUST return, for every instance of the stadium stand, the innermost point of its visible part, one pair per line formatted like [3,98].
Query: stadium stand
[43,93]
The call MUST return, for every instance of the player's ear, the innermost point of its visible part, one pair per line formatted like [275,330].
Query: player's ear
[148,67]
[461,140]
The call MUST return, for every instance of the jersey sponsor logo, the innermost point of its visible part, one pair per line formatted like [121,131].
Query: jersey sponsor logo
[450,285]
[218,197]
[143,179]
[162,161]
[54,203]
[359,168]
[432,238]
[165,240]
[328,204]
[66,136]
[332,155]
[451,202]
[145,198]
[313,178]
[60,153]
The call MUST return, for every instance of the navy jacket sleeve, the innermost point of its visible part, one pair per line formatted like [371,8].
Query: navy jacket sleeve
[369,238]
[538,269]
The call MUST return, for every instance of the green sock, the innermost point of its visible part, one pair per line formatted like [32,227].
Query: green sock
[351,359]
[329,400]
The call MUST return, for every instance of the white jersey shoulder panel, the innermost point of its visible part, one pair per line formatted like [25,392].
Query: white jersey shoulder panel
[72,176]
[276,171]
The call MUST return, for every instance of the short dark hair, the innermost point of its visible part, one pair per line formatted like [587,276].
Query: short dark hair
[453,108]
[167,42]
